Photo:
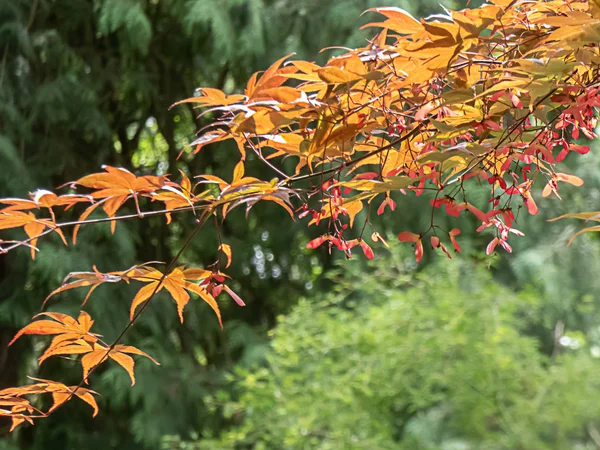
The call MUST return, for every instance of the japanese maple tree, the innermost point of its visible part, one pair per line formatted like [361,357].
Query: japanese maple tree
[497,95]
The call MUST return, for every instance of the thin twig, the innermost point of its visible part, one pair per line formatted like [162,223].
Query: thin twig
[199,223]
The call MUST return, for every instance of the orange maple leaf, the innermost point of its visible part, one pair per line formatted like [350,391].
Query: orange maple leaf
[176,283]
[22,410]
[116,186]
[32,226]
[118,353]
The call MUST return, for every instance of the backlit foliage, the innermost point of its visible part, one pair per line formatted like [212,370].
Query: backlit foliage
[496,95]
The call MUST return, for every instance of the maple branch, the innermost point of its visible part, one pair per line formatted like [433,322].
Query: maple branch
[259,153]
[139,215]
[343,166]
[199,223]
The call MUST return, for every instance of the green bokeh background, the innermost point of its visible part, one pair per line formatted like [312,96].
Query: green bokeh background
[497,352]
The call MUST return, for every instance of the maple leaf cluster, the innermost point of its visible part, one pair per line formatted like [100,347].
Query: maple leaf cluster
[494,96]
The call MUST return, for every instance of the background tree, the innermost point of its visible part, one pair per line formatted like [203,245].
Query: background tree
[441,360]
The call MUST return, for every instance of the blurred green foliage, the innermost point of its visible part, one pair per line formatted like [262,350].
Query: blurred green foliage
[438,360]
[398,362]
